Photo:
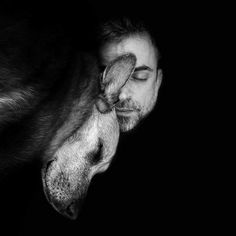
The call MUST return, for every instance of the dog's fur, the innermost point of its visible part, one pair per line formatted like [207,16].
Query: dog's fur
[57,108]
[41,76]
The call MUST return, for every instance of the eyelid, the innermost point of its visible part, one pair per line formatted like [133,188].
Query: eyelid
[140,75]
[139,79]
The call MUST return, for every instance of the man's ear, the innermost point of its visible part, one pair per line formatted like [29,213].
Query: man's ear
[159,79]
[158,83]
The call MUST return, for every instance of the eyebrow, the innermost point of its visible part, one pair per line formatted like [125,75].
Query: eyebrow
[140,68]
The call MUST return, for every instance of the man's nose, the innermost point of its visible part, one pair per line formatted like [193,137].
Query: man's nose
[124,93]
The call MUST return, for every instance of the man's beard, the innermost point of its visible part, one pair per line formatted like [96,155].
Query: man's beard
[128,122]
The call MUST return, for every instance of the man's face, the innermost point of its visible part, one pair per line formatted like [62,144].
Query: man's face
[139,95]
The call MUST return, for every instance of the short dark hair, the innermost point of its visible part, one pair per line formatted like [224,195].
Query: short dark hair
[115,30]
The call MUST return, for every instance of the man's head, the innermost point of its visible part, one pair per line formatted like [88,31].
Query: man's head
[138,97]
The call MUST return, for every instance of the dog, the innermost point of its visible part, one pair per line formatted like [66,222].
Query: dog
[56,107]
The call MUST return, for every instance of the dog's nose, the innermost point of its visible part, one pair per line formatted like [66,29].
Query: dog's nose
[71,211]
[73,208]
[70,208]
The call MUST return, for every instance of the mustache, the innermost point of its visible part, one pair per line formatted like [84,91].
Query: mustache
[127,104]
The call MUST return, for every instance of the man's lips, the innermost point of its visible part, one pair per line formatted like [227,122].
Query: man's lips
[124,109]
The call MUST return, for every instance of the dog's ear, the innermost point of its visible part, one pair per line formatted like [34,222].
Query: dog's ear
[114,78]
[117,73]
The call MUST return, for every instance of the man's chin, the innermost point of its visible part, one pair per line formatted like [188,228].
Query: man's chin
[127,123]
[126,128]
[132,122]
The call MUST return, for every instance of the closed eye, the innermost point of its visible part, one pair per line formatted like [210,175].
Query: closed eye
[139,79]
[140,76]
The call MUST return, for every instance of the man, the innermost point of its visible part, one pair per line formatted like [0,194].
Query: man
[139,95]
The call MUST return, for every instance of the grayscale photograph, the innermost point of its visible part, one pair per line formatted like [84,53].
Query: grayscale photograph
[96,128]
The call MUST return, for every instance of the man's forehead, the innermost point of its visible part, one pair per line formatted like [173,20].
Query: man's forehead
[141,46]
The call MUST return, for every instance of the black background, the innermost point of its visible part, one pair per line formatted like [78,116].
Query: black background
[159,180]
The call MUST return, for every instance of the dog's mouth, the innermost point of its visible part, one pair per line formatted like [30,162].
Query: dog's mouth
[66,179]
[65,189]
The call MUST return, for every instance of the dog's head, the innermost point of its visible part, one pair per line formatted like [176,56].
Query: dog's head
[66,176]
